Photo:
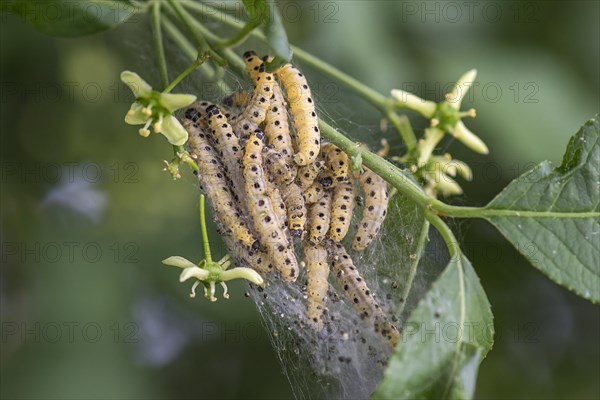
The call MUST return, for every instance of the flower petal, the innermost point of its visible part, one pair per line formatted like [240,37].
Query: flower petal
[413,102]
[243,273]
[138,86]
[456,96]
[174,131]
[135,116]
[177,261]
[469,139]
[174,102]
[193,272]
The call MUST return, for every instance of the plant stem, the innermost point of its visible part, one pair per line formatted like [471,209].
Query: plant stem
[445,232]
[199,61]
[413,267]
[158,44]
[179,39]
[240,36]
[201,42]
[205,241]
[383,103]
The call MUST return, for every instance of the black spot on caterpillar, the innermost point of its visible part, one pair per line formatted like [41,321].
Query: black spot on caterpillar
[336,161]
[282,172]
[228,147]
[374,210]
[342,208]
[302,108]
[260,206]
[319,217]
[307,174]
[277,127]
[216,186]
[358,292]
[254,113]
[314,192]
[296,208]
[317,284]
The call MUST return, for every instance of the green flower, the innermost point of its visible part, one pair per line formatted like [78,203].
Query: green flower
[439,173]
[446,115]
[156,109]
[211,273]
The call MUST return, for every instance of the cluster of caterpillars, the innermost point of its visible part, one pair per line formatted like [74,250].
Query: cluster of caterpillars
[273,184]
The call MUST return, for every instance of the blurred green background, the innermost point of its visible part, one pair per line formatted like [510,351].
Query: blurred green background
[87,309]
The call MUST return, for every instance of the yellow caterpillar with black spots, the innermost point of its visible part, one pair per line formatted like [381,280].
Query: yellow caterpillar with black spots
[375,208]
[214,183]
[265,219]
[342,209]
[358,293]
[255,111]
[319,217]
[295,205]
[317,273]
[302,108]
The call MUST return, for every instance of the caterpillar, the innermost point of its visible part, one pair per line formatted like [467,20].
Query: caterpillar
[277,202]
[319,217]
[342,208]
[296,208]
[237,99]
[197,112]
[336,161]
[358,293]
[266,222]
[303,113]
[314,193]
[277,129]
[307,174]
[254,113]
[214,183]
[317,273]
[375,208]
[282,171]
[228,146]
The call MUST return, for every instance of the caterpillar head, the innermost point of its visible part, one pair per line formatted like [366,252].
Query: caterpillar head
[192,114]
[249,54]
[212,110]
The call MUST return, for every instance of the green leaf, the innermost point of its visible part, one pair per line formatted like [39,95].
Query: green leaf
[552,215]
[257,10]
[70,18]
[276,35]
[444,340]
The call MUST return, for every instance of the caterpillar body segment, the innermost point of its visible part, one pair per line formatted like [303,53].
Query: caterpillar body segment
[336,162]
[278,204]
[342,209]
[277,129]
[375,208]
[319,217]
[309,173]
[282,171]
[228,147]
[198,112]
[254,113]
[358,293]
[265,219]
[296,209]
[214,183]
[317,272]
[237,99]
[302,108]
[255,259]
[314,193]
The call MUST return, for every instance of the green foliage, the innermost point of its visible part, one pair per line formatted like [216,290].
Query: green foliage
[555,220]
[261,12]
[444,340]
[71,18]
